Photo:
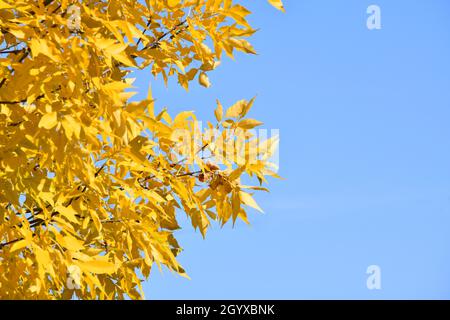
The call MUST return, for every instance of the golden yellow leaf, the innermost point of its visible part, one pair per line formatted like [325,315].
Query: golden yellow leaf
[219,111]
[247,199]
[48,120]
[97,266]
[277,4]
[249,123]
[204,80]
[72,243]
[18,245]
[236,109]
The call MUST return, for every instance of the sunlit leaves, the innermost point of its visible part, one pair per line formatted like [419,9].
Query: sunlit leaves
[92,181]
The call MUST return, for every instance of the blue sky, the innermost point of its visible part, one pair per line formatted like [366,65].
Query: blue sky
[365,150]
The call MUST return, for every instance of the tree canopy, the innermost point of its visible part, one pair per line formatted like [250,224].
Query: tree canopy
[92,180]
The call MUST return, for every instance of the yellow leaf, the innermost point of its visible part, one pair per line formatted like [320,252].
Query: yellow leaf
[18,245]
[235,205]
[236,110]
[249,123]
[116,86]
[254,188]
[130,30]
[173,3]
[42,256]
[277,4]
[219,111]
[96,220]
[204,80]
[69,213]
[71,127]
[45,47]
[4,5]
[18,33]
[125,59]
[97,266]
[49,120]
[103,43]
[72,243]
[248,200]
[151,102]
[247,107]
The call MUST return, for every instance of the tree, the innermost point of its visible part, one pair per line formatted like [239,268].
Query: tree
[91,182]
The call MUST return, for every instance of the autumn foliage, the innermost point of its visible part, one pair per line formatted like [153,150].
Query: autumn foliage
[92,181]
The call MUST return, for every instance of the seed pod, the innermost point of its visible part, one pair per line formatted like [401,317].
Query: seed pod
[212,166]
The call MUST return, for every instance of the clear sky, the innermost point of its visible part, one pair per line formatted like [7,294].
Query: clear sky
[365,150]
